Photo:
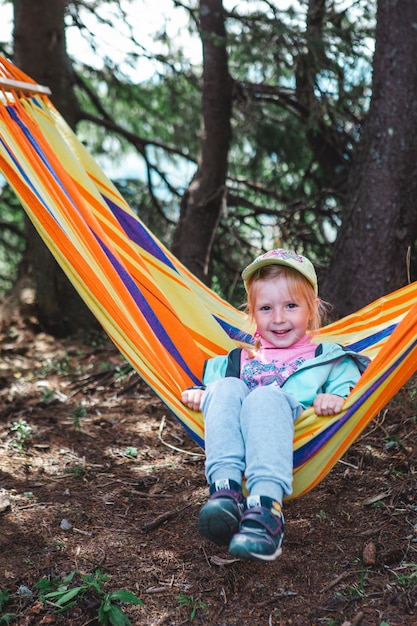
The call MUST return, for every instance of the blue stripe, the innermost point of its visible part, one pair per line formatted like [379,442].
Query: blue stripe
[149,314]
[370,340]
[138,233]
[310,449]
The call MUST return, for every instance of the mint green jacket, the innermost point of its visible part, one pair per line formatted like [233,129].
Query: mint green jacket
[334,369]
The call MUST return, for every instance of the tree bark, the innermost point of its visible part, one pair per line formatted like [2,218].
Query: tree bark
[380,222]
[40,51]
[205,197]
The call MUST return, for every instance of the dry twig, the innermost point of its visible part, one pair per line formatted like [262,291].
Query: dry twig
[158,521]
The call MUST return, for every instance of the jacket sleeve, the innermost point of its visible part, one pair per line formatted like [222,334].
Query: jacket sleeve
[343,376]
[361,360]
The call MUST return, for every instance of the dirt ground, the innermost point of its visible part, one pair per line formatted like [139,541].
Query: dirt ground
[97,478]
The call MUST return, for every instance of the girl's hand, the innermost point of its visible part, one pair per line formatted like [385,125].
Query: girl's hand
[192,398]
[328,404]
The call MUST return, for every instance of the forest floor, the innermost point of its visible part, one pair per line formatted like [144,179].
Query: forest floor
[100,489]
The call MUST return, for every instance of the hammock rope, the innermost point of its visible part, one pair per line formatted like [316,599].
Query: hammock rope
[163,320]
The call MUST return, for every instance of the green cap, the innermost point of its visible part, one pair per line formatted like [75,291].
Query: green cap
[288,258]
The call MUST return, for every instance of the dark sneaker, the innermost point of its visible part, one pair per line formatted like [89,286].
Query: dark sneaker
[261,530]
[220,517]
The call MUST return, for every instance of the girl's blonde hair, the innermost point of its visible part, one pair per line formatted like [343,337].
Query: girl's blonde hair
[299,288]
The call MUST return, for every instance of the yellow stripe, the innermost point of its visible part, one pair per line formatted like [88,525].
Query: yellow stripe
[181,302]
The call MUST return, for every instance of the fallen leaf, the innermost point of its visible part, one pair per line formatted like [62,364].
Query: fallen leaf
[216,560]
[369,554]
[373,499]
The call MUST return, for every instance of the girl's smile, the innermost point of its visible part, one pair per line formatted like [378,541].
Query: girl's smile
[281,318]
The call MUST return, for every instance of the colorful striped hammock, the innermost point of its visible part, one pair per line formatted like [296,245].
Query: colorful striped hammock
[162,319]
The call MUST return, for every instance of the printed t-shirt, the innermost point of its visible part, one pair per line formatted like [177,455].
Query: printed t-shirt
[271,364]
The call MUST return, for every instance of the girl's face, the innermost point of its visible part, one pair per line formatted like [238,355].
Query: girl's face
[280,319]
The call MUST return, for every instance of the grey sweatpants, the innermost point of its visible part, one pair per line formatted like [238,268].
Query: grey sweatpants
[250,433]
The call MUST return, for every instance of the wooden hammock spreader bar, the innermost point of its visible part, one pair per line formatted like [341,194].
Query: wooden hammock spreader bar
[15,85]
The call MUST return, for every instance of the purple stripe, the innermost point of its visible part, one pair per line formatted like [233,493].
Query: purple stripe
[138,233]
[41,156]
[309,450]
[148,313]
[140,236]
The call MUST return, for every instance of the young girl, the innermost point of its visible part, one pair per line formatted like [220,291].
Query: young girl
[250,401]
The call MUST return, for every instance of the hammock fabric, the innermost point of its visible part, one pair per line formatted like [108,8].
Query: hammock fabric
[162,319]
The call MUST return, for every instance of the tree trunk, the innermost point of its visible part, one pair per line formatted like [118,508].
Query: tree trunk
[205,197]
[380,222]
[40,51]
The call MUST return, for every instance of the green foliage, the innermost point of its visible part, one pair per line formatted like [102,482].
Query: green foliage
[279,191]
[121,371]
[5,618]
[192,603]
[4,596]
[61,365]
[62,595]
[110,613]
[131,451]
[12,238]
[300,97]
[22,433]
[47,395]
[333,622]
[75,588]
[77,414]
[407,580]
[356,590]
[77,471]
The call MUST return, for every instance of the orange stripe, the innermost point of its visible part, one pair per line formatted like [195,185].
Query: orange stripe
[93,274]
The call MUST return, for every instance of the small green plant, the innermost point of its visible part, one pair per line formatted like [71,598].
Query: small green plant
[377,505]
[407,581]
[121,371]
[322,515]
[22,433]
[391,442]
[192,603]
[61,365]
[131,451]
[62,595]
[4,596]
[47,395]
[6,618]
[355,591]
[77,414]
[76,470]
[110,614]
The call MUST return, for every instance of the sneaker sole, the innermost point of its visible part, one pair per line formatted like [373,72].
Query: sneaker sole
[242,553]
[218,526]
